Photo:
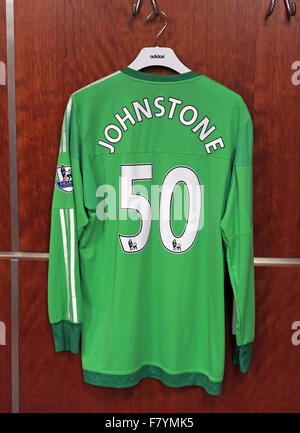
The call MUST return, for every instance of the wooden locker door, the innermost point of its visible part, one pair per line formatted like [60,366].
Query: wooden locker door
[5,338]
[62,46]
[5,243]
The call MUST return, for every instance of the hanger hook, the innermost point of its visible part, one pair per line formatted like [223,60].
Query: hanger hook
[271,8]
[166,23]
[156,10]
[291,8]
[136,6]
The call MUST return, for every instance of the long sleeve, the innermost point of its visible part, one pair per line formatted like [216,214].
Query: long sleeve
[68,219]
[237,233]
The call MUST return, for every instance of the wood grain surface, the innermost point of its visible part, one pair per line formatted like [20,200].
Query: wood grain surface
[5,350]
[52,382]
[63,45]
[5,240]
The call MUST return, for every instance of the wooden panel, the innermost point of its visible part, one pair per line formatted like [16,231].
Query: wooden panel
[229,49]
[277,156]
[64,45]
[5,243]
[254,57]
[52,382]
[5,350]
[230,43]
[60,47]
[41,91]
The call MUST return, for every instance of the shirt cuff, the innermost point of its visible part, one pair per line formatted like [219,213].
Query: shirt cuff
[242,355]
[66,336]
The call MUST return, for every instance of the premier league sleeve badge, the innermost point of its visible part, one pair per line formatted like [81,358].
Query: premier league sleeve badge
[64,182]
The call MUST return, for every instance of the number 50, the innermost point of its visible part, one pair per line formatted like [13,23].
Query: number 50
[141,204]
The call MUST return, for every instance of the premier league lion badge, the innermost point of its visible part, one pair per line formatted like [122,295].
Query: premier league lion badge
[64,182]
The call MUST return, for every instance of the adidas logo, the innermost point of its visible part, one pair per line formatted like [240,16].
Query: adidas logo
[157,56]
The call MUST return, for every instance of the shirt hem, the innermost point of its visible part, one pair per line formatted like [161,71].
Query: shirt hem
[153,372]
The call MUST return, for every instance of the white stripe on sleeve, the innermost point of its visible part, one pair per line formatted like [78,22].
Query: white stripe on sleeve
[72,265]
[65,246]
